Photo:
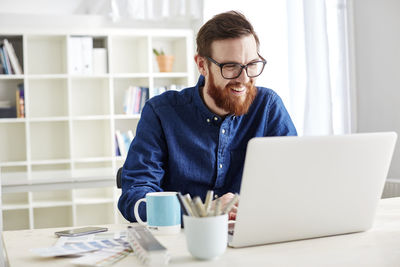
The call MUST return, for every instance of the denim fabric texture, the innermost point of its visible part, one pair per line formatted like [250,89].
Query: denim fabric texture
[180,145]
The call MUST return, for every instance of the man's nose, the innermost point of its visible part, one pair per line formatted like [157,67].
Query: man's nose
[243,78]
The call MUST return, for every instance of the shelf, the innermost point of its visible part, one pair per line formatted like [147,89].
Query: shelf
[46,76]
[52,217]
[48,119]
[11,76]
[95,214]
[170,75]
[15,219]
[129,54]
[89,97]
[14,175]
[93,117]
[131,75]
[127,117]
[91,139]
[12,142]
[12,120]
[54,93]
[15,201]
[46,54]
[176,46]
[58,164]
[94,196]
[49,140]
[50,204]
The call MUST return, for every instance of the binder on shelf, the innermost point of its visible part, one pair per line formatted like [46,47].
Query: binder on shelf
[12,57]
[81,55]
[87,55]
[99,60]
[75,55]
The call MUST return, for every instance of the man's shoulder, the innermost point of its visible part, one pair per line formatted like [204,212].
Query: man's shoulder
[266,94]
[172,98]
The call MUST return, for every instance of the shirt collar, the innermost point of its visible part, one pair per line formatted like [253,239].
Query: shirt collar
[206,114]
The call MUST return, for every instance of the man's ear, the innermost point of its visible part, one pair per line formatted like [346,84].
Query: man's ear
[201,64]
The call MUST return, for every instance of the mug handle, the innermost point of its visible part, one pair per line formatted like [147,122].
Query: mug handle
[136,211]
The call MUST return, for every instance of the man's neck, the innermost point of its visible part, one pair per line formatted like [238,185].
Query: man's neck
[210,103]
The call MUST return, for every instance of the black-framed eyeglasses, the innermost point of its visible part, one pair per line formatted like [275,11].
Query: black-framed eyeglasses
[232,70]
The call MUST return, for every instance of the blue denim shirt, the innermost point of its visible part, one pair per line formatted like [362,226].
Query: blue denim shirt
[180,145]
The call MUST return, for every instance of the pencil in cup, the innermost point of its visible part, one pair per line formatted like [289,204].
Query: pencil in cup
[197,208]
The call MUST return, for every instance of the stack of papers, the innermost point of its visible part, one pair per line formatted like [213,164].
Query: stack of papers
[102,249]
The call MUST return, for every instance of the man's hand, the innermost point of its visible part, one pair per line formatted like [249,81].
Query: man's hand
[225,200]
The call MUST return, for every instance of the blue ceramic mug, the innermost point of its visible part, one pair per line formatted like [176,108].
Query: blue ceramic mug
[163,212]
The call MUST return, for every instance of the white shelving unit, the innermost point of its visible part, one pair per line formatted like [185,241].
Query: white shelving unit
[58,164]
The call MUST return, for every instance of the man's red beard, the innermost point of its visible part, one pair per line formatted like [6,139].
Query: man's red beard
[226,100]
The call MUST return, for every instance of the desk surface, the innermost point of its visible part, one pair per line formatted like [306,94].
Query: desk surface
[379,246]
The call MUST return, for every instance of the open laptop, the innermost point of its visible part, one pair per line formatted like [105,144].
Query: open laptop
[304,187]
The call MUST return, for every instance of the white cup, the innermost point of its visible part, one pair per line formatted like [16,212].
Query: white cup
[206,237]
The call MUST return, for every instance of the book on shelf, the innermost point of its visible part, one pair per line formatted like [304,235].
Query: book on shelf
[16,66]
[7,110]
[134,99]
[117,151]
[123,142]
[3,69]
[5,60]
[20,101]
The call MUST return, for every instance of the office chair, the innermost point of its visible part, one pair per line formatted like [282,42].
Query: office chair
[118,177]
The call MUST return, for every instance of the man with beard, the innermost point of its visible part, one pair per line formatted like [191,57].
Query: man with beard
[195,140]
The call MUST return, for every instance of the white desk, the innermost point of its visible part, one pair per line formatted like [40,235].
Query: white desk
[379,246]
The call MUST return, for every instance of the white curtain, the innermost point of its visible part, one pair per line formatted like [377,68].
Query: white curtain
[308,63]
[318,66]
[145,10]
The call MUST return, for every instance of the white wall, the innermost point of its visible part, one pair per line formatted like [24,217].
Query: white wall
[377,63]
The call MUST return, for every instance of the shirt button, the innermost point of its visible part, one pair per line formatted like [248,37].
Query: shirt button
[223,131]
[215,118]
[220,166]
[208,120]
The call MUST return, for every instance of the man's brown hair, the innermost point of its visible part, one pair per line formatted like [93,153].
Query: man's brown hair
[231,24]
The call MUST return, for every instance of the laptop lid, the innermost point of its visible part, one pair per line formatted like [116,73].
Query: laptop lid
[304,187]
